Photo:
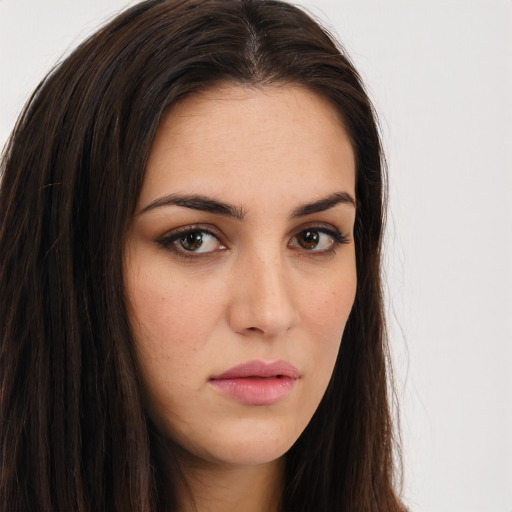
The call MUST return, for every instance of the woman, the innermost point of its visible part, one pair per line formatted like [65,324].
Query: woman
[191,218]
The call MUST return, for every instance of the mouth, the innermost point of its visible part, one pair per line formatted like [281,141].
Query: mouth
[257,382]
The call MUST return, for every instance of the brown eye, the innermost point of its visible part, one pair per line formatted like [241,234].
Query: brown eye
[191,241]
[308,239]
[317,240]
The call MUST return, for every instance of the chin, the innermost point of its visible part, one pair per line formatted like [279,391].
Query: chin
[251,444]
[247,454]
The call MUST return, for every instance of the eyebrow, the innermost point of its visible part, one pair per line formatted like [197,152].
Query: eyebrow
[197,202]
[323,204]
[207,204]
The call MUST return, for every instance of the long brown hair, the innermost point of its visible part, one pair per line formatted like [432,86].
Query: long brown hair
[73,431]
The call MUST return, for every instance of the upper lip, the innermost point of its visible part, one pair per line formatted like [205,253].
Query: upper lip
[259,369]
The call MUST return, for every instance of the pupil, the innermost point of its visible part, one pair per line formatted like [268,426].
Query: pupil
[309,239]
[192,241]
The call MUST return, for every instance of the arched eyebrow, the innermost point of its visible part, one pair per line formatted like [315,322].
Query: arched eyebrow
[197,202]
[208,204]
[323,204]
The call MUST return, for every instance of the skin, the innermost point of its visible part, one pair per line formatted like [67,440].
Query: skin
[251,289]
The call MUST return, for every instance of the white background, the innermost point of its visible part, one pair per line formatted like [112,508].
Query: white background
[440,73]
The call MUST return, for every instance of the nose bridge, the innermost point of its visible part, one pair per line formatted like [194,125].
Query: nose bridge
[264,301]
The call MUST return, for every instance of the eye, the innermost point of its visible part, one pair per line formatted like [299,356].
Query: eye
[198,241]
[317,240]
[192,241]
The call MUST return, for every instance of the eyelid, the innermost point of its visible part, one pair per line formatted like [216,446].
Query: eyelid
[324,227]
[337,236]
[168,240]
[191,228]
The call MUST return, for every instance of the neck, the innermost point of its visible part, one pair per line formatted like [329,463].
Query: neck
[222,488]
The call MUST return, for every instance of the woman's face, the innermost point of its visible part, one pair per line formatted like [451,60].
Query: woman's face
[240,269]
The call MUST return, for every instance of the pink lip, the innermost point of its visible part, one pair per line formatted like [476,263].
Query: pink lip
[256,382]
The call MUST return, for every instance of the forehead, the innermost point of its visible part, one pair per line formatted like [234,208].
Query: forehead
[249,141]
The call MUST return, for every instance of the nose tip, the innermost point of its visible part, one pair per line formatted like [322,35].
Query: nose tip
[263,302]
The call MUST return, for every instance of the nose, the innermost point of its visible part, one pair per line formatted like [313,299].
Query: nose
[263,301]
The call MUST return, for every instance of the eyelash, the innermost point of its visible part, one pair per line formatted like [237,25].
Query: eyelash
[171,241]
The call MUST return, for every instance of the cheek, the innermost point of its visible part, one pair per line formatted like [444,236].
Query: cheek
[169,314]
[326,311]
[170,330]
[168,326]
[333,298]
[174,320]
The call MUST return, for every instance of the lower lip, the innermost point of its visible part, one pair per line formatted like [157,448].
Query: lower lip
[254,390]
